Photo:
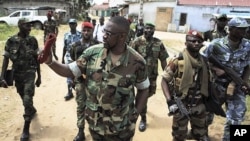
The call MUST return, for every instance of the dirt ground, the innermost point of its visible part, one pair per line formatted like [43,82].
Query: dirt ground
[56,118]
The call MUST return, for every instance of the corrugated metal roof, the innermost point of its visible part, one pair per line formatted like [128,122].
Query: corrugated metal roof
[215,2]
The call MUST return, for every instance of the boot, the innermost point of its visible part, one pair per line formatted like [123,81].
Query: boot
[69,94]
[25,135]
[143,124]
[80,136]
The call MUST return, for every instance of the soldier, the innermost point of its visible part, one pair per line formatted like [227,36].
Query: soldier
[75,52]
[151,49]
[50,26]
[219,29]
[131,34]
[186,77]
[232,51]
[139,28]
[22,49]
[112,71]
[70,37]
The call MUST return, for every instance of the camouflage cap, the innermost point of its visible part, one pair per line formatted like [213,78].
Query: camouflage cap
[238,22]
[150,24]
[221,16]
[195,34]
[23,21]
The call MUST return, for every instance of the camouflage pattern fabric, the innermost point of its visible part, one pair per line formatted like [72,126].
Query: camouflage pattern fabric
[76,50]
[151,52]
[50,27]
[23,54]
[110,89]
[237,60]
[131,36]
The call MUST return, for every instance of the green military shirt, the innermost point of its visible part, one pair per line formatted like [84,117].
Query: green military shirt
[110,88]
[151,51]
[22,52]
[50,27]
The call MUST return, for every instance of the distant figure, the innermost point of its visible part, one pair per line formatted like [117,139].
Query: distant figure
[98,31]
[217,28]
[50,26]
[93,22]
[139,28]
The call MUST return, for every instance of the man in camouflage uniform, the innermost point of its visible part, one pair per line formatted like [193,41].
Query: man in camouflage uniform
[232,51]
[75,52]
[186,77]
[112,71]
[131,34]
[22,49]
[70,37]
[151,49]
[50,26]
[219,30]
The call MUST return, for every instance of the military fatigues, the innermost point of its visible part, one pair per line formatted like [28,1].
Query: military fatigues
[23,54]
[69,39]
[50,27]
[131,36]
[75,52]
[193,99]
[214,34]
[151,51]
[237,60]
[110,91]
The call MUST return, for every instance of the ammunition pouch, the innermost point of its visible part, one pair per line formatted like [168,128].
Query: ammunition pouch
[194,100]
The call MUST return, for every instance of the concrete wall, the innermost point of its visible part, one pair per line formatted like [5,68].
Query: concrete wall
[149,9]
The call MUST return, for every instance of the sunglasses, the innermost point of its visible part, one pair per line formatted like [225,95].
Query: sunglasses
[194,41]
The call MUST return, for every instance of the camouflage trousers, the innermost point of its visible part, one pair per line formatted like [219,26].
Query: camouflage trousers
[80,100]
[235,112]
[125,135]
[152,89]
[197,122]
[25,86]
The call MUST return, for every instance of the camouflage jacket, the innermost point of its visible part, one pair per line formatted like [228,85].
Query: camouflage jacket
[23,53]
[151,51]
[110,88]
[78,47]
[50,27]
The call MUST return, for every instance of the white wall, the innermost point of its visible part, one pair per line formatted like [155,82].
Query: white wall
[149,9]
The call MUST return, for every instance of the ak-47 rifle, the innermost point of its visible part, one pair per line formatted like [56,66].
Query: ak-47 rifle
[231,73]
[182,108]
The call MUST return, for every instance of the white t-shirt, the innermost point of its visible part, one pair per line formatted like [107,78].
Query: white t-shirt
[98,32]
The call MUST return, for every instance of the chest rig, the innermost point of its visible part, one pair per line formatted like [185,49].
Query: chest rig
[194,96]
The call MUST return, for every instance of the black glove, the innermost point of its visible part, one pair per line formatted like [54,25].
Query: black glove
[172,106]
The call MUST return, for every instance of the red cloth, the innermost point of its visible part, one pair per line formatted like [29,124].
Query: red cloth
[43,56]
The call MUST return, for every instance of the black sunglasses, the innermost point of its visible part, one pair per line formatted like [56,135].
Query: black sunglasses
[194,41]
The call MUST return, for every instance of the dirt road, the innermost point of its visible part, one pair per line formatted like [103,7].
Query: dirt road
[56,119]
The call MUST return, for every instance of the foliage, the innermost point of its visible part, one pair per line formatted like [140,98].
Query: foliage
[6,31]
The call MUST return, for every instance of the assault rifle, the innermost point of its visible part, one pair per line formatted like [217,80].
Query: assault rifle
[182,108]
[231,73]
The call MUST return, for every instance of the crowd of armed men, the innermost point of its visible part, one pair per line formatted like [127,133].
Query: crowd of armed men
[114,75]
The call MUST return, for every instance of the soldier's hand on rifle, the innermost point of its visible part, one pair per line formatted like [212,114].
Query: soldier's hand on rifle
[218,71]
[172,106]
